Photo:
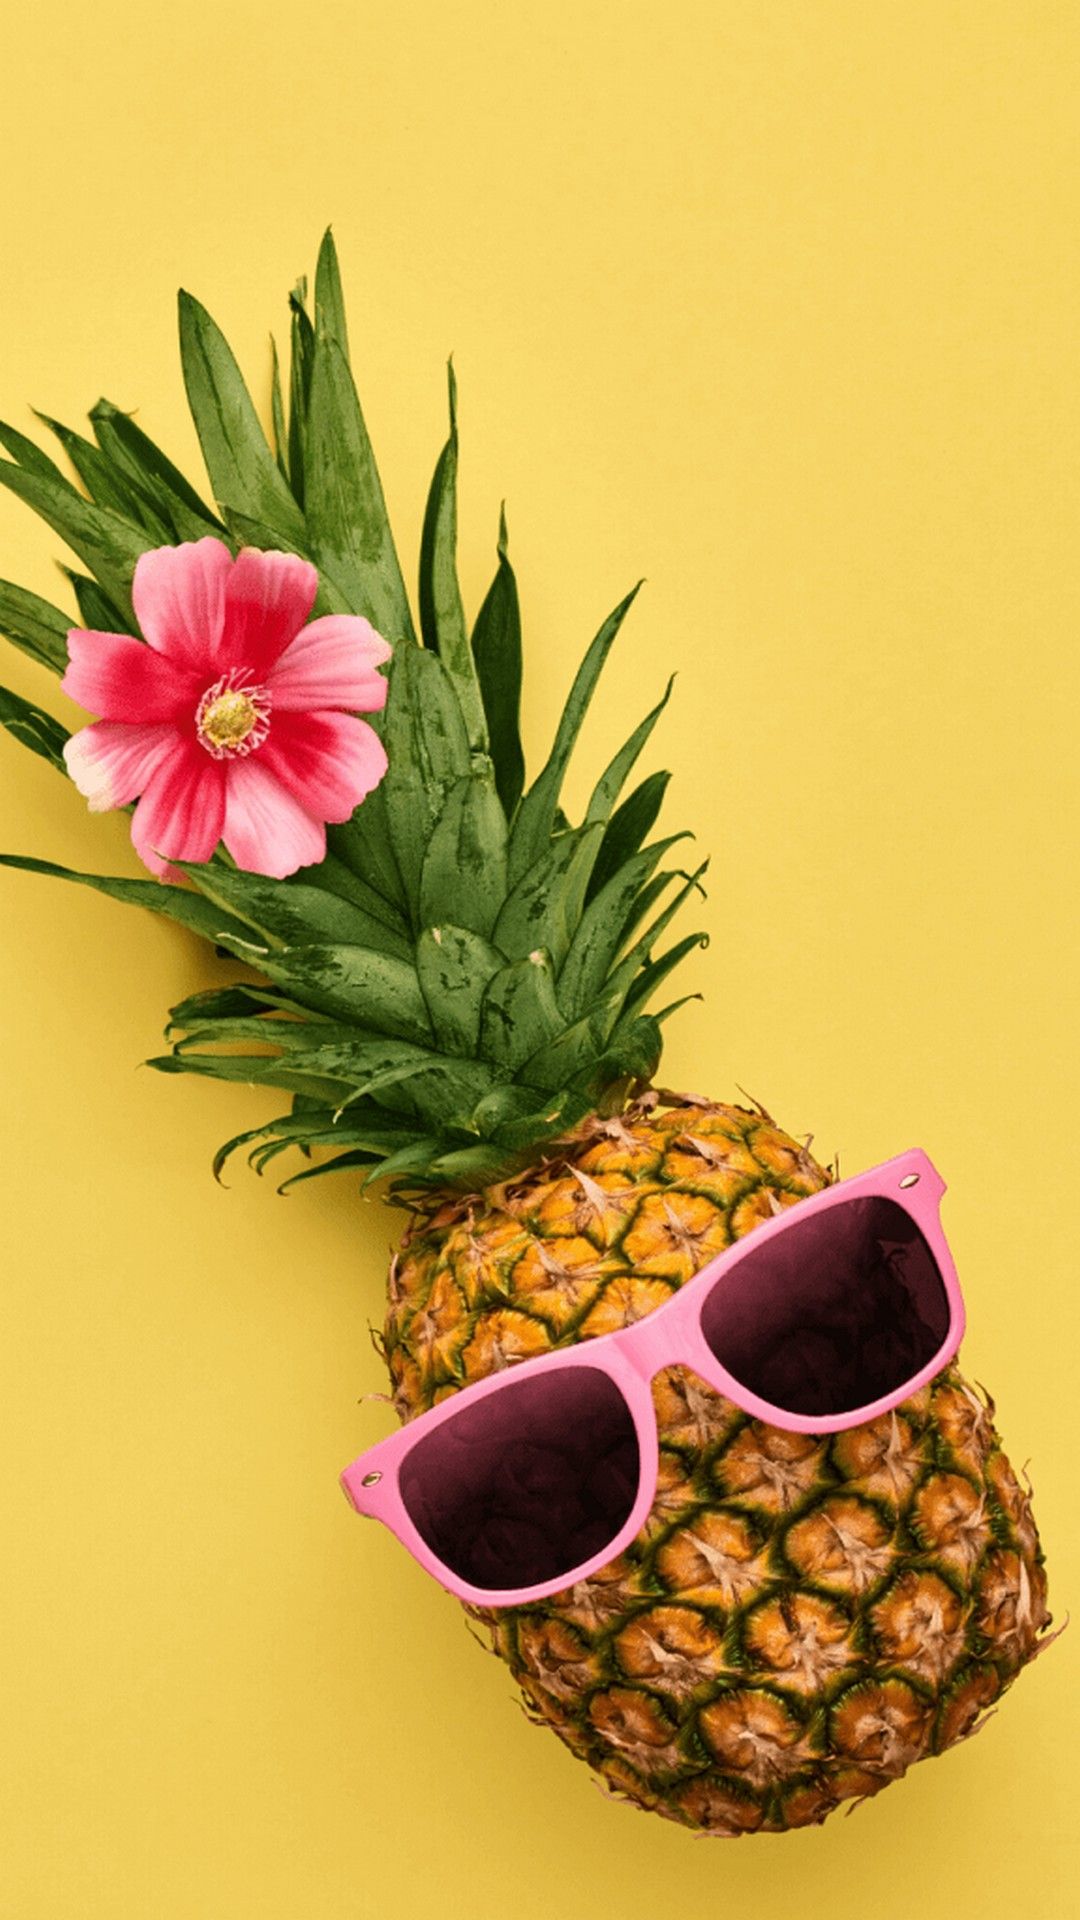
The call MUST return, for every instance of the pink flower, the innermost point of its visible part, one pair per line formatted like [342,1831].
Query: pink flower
[232,719]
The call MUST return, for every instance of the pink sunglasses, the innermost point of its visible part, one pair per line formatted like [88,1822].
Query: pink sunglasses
[826,1316]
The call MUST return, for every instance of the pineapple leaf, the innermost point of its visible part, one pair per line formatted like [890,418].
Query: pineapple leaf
[610,783]
[625,973]
[34,727]
[29,455]
[220,1003]
[106,543]
[442,616]
[302,354]
[519,1013]
[255,1071]
[343,498]
[600,931]
[573,1050]
[175,903]
[454,966]
[341,1163]
[238,459]
[332,873]
[564,1109]
[105,485]
[152,473]
[35,627]
[496,645]
[650,977]
[363,848]
[342,980]
[545,905]
[428,751]
[463,875]
[300,914]
[536,814]
[277,415]
[96,610]
[627,828]
[329,298]
[632,1053]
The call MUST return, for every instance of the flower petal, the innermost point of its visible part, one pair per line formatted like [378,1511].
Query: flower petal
[115,675]
[111,762]
[327,761]
[332,664]
[182,810]
[266,829]
[179,598]
[267,600]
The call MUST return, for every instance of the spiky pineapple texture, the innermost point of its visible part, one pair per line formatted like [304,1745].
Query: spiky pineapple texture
[466,974]
[801,1618]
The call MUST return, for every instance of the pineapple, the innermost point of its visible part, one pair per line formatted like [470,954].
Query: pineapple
[456,1001]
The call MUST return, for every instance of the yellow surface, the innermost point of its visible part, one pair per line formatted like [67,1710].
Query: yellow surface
[776,304]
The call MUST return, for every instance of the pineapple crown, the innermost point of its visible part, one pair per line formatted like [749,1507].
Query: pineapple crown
[465,976]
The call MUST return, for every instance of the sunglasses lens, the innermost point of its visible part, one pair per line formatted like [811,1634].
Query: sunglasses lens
[832,1314]
[527,1484]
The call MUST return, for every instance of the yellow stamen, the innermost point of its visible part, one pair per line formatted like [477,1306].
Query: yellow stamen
[229,719]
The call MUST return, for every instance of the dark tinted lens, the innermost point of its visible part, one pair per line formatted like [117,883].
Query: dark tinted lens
[525,1485]
[833,1313]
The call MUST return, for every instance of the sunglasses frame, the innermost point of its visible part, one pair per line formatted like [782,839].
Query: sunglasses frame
[632,1356]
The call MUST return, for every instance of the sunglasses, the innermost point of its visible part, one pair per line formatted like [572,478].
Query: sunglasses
[826,1316]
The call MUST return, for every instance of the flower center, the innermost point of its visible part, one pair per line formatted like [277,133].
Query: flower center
[233,716]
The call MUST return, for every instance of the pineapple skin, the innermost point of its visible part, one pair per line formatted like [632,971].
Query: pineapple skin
[801,1617]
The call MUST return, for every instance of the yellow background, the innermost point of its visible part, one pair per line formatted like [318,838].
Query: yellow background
[776,303]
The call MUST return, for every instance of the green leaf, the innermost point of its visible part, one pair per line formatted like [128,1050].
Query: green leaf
[558,1114]
[353,983]
[238,459]
[610,783]
[454,965]
[29,455]
[34,727]
[105,485]
[427,750]
[623,976]
[175,903]
[363,846]
[651,976]
[34,626]
[153,473]
[220,1003]
[496,646]
[293,915]
[599,933]
[442,616]
[302,356]
[519,1013]
[343,499]
[536,814]
[544,907]
[559,1062]
[463,876]
[96,610]
[341,1163]
[335,876]
[246,1070]
[627,828]
[107,544]
[329,298]
[632,1053]
[277,414]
